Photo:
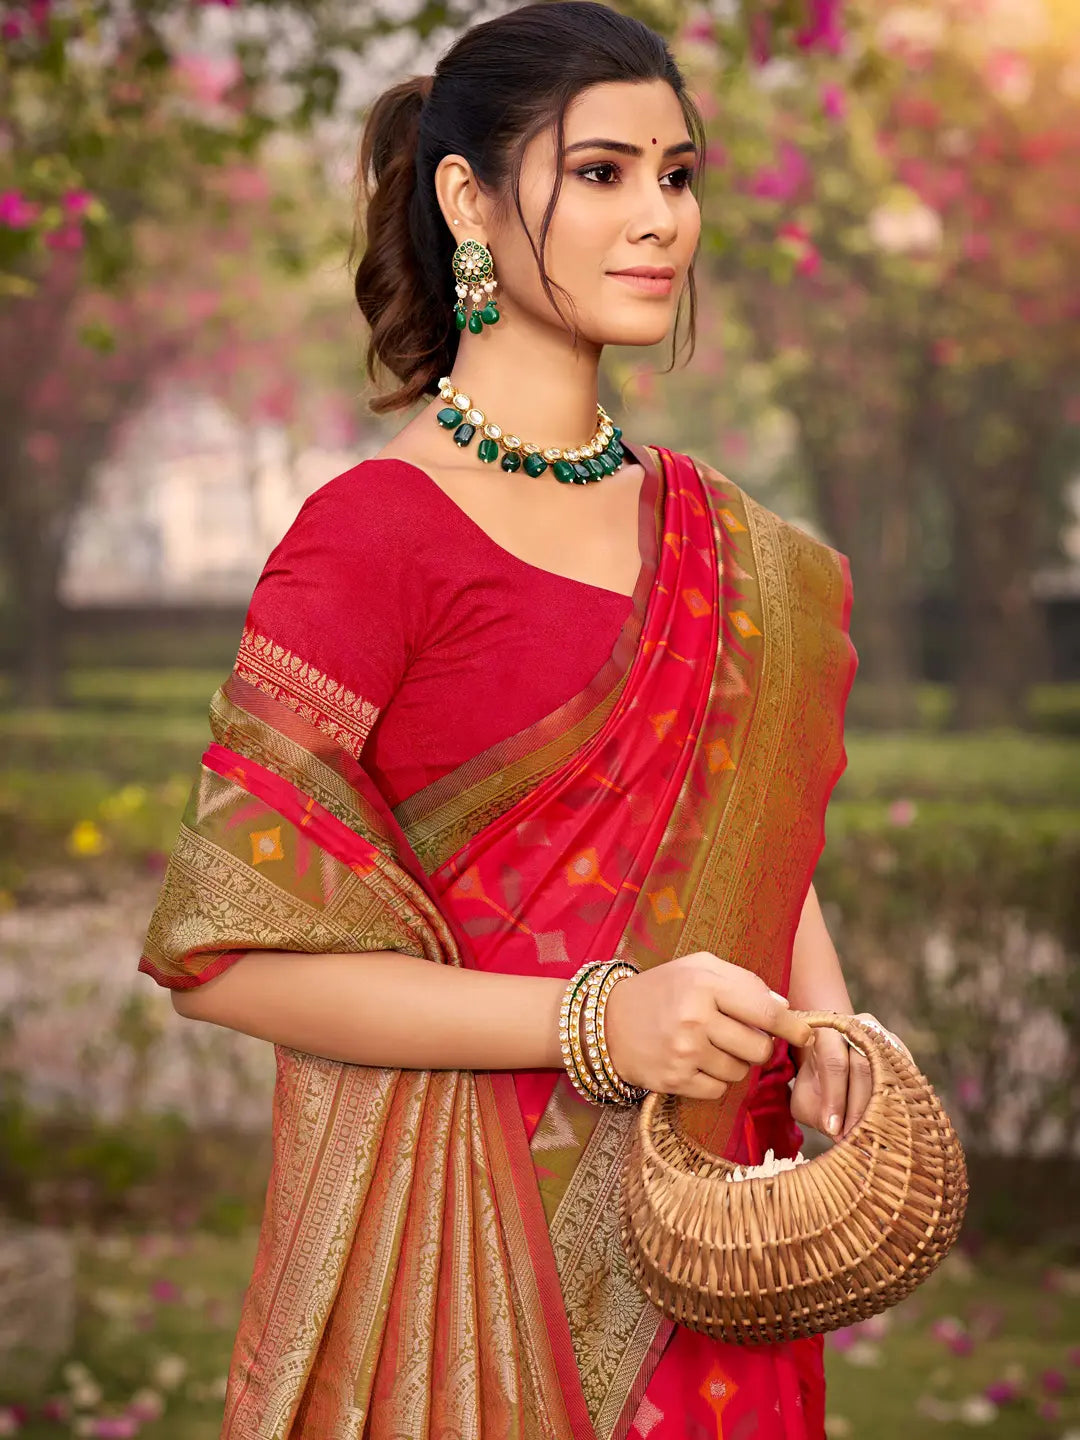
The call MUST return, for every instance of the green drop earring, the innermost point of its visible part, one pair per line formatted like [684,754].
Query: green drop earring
[474,272]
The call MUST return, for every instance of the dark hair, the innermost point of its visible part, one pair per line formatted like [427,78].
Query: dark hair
[500,84]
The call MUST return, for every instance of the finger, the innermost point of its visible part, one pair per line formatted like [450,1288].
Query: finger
[745,997]
[859,1089]
[703,1087]
[721,1066]
[743,1041]
[874,1024]
[830,1060]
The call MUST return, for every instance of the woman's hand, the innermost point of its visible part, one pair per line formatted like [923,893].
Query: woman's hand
[696,1025]
[832,1086]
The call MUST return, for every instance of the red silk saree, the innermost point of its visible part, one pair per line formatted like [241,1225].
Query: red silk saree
[439,1251]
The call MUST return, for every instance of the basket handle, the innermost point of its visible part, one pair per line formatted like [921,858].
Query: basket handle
[883,1055]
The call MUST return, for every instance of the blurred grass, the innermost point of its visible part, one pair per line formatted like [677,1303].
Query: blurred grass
[142,1298]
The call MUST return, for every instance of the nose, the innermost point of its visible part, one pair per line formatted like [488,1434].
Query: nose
[654,214]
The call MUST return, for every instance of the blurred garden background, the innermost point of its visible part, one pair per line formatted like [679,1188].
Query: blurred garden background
[888,354]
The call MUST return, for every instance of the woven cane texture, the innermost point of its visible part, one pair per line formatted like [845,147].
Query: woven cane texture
[809,1249]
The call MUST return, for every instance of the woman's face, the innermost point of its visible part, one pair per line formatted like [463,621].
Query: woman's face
[625,203]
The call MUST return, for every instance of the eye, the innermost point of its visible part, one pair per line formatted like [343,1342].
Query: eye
[681,178]
[587,170]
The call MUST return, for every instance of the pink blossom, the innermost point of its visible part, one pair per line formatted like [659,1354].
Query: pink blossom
[66,237]
[782,180]
[12,28]
[798,242]
[207,78]
[244,183]
[55,1409]
[77,202]
[700,29]
[976,246]
[902,812]
[115,1427]
[969,1091]
[824,31]
[760,38]
[16,211]
[1049,1410]
[833,101]
[165,1292]
[1002,1392]
[842,1339]
[716,154]
[1053,1382]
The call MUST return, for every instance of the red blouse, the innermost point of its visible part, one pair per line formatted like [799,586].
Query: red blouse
[456,643]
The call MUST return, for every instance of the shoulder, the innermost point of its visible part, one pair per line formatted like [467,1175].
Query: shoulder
[367,525]
[364,505]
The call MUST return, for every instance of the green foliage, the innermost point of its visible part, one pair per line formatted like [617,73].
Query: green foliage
[959,927]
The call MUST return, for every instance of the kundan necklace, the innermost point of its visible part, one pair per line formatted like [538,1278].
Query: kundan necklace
[602,455]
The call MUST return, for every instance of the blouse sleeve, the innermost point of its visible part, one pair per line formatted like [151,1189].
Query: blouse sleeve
[330,625]
[328,633]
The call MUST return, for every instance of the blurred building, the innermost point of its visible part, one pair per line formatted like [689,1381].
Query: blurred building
[190,507]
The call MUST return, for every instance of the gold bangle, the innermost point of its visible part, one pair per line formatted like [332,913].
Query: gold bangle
[570,1034]
[619,1091]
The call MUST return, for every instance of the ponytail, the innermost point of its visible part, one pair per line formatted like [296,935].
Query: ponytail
[409,319]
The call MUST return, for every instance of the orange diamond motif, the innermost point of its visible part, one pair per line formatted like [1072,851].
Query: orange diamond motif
[266,845]
[729,519]
[696,603]
[719,756]
[718,1390]
[583,868]
[662,723]
[743,623]
[665,904]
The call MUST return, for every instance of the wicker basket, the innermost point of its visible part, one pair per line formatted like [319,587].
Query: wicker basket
[809,1249]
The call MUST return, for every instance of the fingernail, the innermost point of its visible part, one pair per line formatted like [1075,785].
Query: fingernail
[782,998]
[833,1124]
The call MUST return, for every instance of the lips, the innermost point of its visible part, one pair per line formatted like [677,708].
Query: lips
[649,272]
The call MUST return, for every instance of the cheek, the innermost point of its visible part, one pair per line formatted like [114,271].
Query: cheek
[581,243]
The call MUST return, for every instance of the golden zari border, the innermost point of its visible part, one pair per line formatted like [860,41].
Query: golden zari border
[328,704]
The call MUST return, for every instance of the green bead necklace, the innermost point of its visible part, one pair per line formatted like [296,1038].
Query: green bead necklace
[578,465]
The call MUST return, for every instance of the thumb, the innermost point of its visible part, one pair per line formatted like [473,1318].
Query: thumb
[830,1056]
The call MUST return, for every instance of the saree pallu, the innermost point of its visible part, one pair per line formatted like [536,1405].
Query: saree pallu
[439,1252]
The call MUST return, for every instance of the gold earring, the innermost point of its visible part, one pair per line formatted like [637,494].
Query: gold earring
[474,272]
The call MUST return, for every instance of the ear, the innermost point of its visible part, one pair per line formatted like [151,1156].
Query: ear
[459,197]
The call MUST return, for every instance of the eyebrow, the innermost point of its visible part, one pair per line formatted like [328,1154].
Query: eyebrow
[685,147]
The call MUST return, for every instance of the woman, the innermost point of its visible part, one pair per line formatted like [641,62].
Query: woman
[487,723]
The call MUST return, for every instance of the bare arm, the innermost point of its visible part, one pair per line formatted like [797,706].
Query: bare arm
[817,982]
[385,1008]
[689,1027]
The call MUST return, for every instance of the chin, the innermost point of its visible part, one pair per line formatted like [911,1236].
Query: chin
[644,330]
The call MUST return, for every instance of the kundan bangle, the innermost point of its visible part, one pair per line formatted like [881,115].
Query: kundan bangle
[570,1034]
[599,986]
[589,1065]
